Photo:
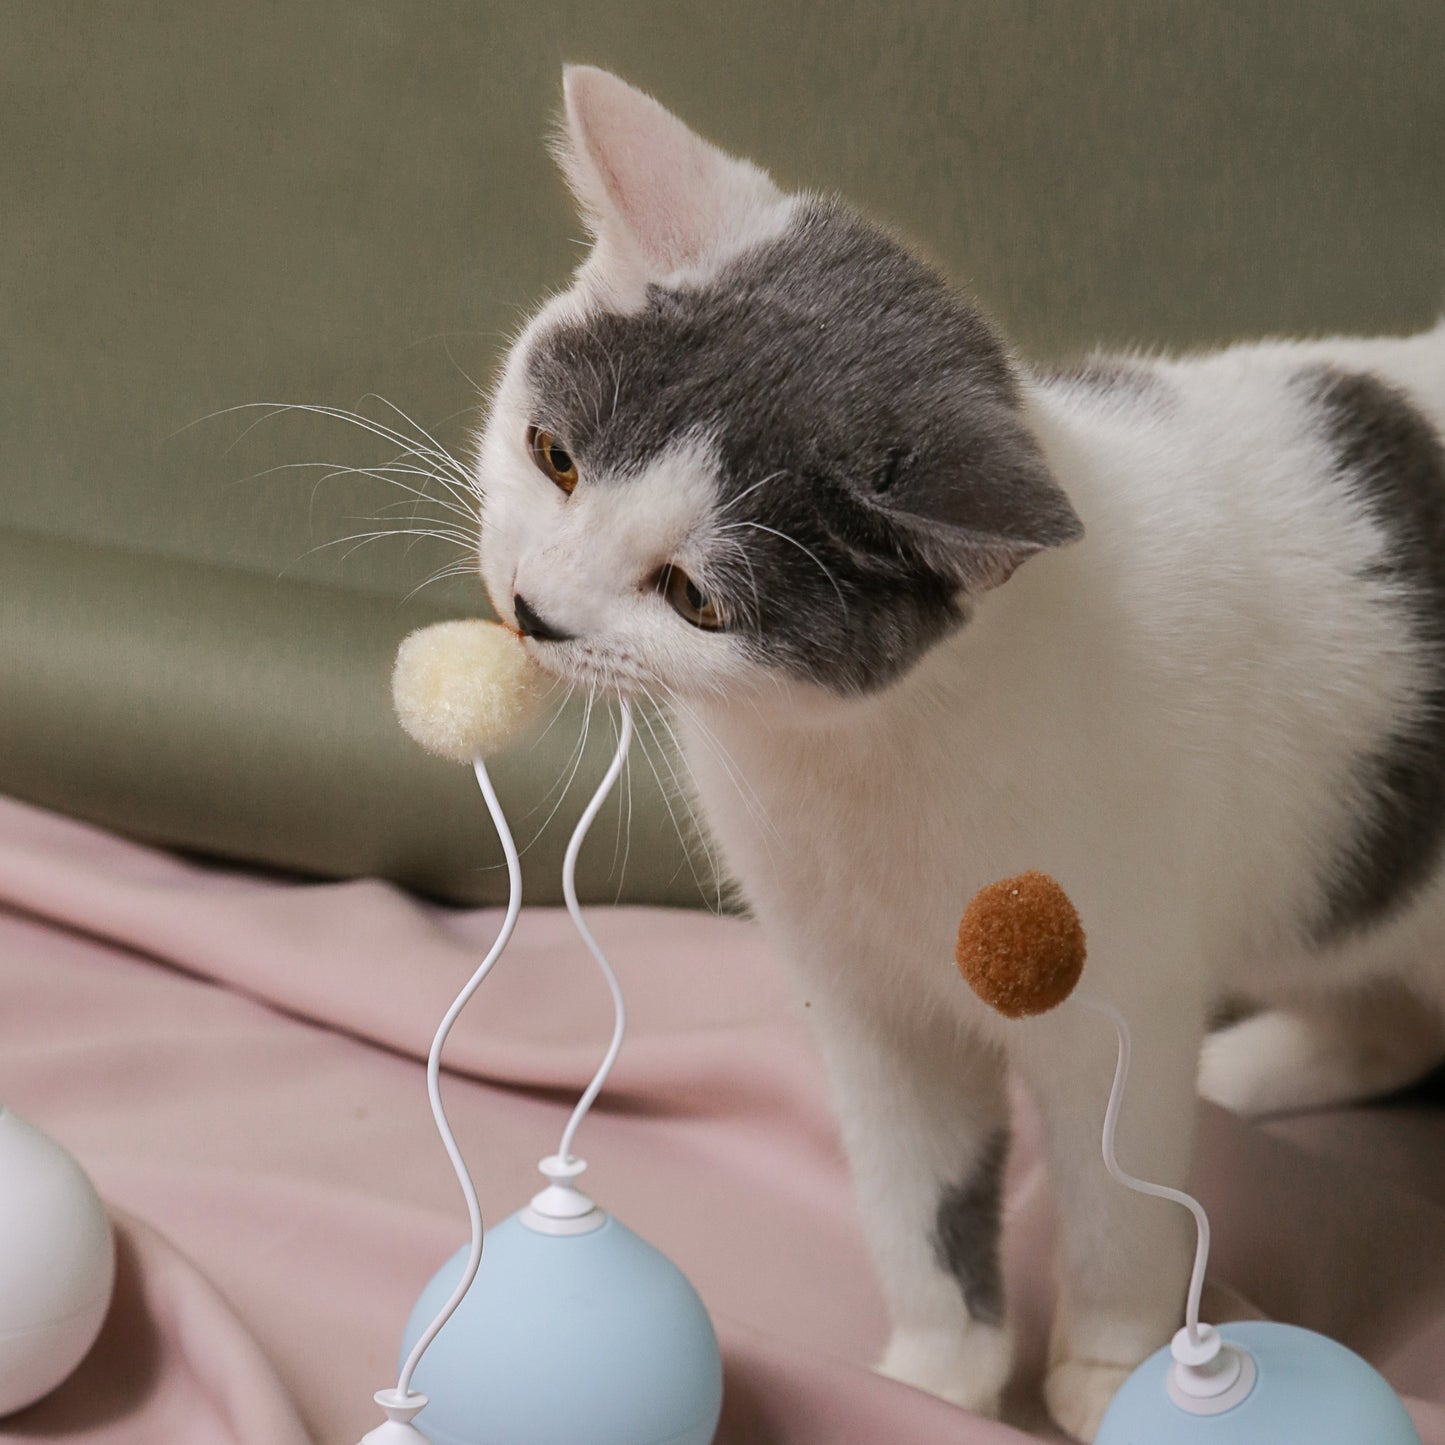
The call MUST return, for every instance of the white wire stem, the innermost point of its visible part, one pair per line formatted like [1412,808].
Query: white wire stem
[433,1078]
[569,892]
[1143,1186]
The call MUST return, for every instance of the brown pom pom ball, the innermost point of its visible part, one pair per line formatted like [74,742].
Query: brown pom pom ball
[1021,945]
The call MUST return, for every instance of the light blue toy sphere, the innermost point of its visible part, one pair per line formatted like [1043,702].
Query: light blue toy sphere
[563,1339]
[1309,1391]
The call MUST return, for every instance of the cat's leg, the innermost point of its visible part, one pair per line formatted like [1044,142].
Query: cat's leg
[1123,1259]
[1326,1051]
[923,1112]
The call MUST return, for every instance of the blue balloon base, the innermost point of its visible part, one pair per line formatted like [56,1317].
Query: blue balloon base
[1309,1390]
[585,1339]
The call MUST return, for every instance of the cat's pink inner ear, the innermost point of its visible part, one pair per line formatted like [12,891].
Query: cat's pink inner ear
[647,182]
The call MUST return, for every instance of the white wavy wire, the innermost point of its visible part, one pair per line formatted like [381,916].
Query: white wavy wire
[1142,1186]
[509,923]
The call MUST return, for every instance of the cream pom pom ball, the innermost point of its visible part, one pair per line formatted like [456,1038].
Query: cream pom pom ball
[467,688]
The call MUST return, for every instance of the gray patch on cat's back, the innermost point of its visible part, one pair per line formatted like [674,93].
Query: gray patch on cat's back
[966,1231]
[874,463]
[1391,458]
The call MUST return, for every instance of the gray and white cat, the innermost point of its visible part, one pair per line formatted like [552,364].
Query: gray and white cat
[1170,630]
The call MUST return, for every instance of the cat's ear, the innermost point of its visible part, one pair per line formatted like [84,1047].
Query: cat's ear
[654,194]
[977,510]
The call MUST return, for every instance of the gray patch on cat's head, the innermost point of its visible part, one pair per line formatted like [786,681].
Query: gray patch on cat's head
[966,1231]
[874,465]
[1391,459]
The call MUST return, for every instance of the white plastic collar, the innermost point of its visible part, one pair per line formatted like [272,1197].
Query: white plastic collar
[399,1409]
[562,1208]
[1208,1376]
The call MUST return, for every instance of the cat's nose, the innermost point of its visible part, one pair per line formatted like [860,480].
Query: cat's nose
[532,625]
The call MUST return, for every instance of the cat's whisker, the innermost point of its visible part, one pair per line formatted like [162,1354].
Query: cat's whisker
[557,712]
[454,569]
[445,337]
[382,472]
[458,502]
[596,395]
[437,449]
[793,541]
[441,533]
[624,814]
[747,794]
[464,500]
[698,833]
[402,511]
[749,799]
[616,382]
[390,509]
[627,850]
[273,409]
[467,535]
[682,836]
[458,499]
[403,507]
[360,539]
[735,546]
[748,491]
[579,752]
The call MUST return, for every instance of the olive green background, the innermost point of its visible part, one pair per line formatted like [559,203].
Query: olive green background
[205,206]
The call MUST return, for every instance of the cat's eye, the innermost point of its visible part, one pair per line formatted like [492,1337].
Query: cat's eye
[553,460]
[688,600]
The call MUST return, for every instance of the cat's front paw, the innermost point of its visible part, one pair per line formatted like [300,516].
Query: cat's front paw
[1335,1052]
[965,1367]
[1078,1392]
[1262,1065]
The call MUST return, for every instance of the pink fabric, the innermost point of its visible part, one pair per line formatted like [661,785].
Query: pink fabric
[237,1061]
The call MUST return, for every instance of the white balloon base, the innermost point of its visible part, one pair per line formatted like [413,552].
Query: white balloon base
[57,1263]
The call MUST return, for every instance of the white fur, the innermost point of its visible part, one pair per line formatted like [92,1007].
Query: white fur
[1162,716]
[1325,1050]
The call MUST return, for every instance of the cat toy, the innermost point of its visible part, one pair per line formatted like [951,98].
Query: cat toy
[57,1263]
[559,1324]
[1021,948]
